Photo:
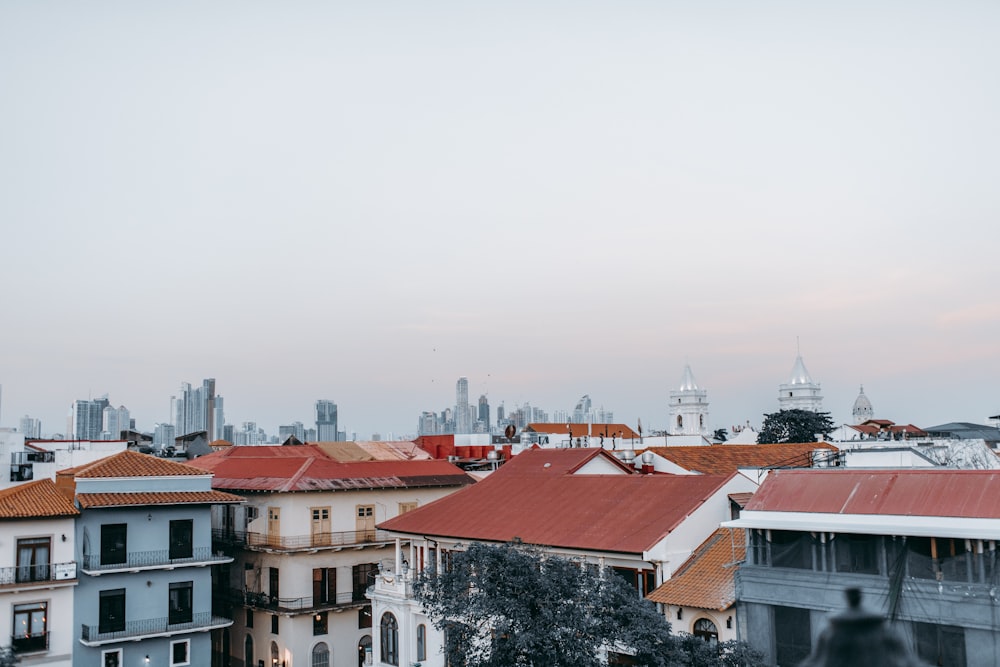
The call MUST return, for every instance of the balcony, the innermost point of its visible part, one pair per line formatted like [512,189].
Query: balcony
[28,576]
[33,643]
[348,539]
[301,605]
[91,635]
[152,560]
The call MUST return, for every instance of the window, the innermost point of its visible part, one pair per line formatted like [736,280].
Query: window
[364,618]
[319,624]
[421,642]
[30,628]
[114,543]
[249,619]
[324,585]
[181,602]
[248,651]
[111,611]
[407,507]
[706,629]
[389,634]
[792,635]
[33,559]
[791,549]
[251,515]
[364,576]
[940,644]
[856,553]
[181,538]
[274,653]
[180,653]
[365,524]
[321,655]
[273,588]
[320,527]
[111,658]
[274,624]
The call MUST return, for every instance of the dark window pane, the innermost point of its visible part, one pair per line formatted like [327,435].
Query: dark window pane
[114,543]
[111,611]
[181,539]
[792,635]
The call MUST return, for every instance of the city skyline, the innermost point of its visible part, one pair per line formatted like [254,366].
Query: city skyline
[365,202]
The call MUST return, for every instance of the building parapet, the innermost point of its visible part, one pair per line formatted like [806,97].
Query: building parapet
[148,560]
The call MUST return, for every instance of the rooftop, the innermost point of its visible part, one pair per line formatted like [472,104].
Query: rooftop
[37,499]
[132,464]
[706,579]
[725,459]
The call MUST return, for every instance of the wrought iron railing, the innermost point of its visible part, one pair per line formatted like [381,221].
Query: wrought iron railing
[152,559]
[255,540]
[266,602]
[151,626]
[25,574]
[32,643]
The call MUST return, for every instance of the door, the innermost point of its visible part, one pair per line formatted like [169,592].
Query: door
[274,526]
[365,526]
[320,526]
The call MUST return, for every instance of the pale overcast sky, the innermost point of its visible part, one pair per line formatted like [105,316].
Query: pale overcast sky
[363,201]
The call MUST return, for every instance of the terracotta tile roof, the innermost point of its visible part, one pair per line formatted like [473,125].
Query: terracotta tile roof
[313,470]
[725,459]
[91,500]
[538,499]
[34,500]
[134,464]
[706,580]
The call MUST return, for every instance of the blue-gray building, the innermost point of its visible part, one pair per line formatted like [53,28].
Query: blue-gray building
[144,544]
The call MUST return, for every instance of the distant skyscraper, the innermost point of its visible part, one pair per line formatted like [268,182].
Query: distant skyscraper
[86,418]
[31,427]
[688,407]
[326,421]
[296,429]
[484,411]
[163,435]
[195,409]
[800,393]
[114,421]
[581,413]
[462,406]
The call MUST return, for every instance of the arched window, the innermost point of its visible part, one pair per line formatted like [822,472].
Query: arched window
[389,633]
[680,421]
[321,655]
[705,629]
[274,653]
[364,650]
[248,651]
[421,642]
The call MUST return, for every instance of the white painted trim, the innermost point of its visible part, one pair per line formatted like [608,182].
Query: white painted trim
[870,524]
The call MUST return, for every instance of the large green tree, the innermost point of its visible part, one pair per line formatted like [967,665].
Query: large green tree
[794,426]
[510,605]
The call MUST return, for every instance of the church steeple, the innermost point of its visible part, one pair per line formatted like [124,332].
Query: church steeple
[800,392]
[688,407]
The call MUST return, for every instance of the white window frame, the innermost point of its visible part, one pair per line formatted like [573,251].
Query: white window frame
[187,642]
[113,651]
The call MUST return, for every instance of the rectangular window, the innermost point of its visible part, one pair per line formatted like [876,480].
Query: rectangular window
[791,549]
[181,539]
[114,543]
[111,611]
[319,623]
[181,602]
[792,635]
[364,576]
[33,559]
[111,658]
[940,644]
[274,624]
[273,588]
[249,618]
[407,507]
[324,585]
[364,618]
[856,553]
[30,628]
[180,653]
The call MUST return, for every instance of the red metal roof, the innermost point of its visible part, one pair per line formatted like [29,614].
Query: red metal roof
[313,470]
[940,493]
[553,506]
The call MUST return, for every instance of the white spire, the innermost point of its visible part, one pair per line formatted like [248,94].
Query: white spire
[799,373]
[687,380]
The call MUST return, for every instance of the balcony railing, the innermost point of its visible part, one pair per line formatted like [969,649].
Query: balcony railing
[28,574]
[266,602]
[264,541]
[152,559]
[134,630]
[32,643]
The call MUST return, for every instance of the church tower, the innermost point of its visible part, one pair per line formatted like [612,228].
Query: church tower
[800,393]
[862,411]
[688,407]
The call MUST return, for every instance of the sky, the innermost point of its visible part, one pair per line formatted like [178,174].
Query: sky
[364,201]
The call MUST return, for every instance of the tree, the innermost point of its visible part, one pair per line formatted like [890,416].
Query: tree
[720,434]
[511,605]
[794,426]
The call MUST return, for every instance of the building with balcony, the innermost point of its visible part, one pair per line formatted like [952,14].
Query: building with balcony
[584,504]
[144,546]
[306,546]
[38,572]
[920,544]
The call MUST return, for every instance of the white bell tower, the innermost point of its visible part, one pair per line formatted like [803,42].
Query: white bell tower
[688,407]
[800,393]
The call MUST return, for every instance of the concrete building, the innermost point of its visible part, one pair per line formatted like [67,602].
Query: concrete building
[38,572]
[800,392]
[584,504]
[144,543]
[688,407]
[326,421]
[306,545]
[920,544]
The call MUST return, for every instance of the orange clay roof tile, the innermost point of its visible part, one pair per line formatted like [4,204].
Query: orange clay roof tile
[92,500]
[134,464]
[705,580]
[34,500]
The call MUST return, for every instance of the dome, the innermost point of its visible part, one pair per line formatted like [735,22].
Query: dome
[862,410]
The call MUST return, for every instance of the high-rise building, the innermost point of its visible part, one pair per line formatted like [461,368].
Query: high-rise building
[31,427]
[582,411]
[484,411]
[114,421]
[195,409]
[462,424]
[326,421]
[295,429]
[86,418]
[163,435]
